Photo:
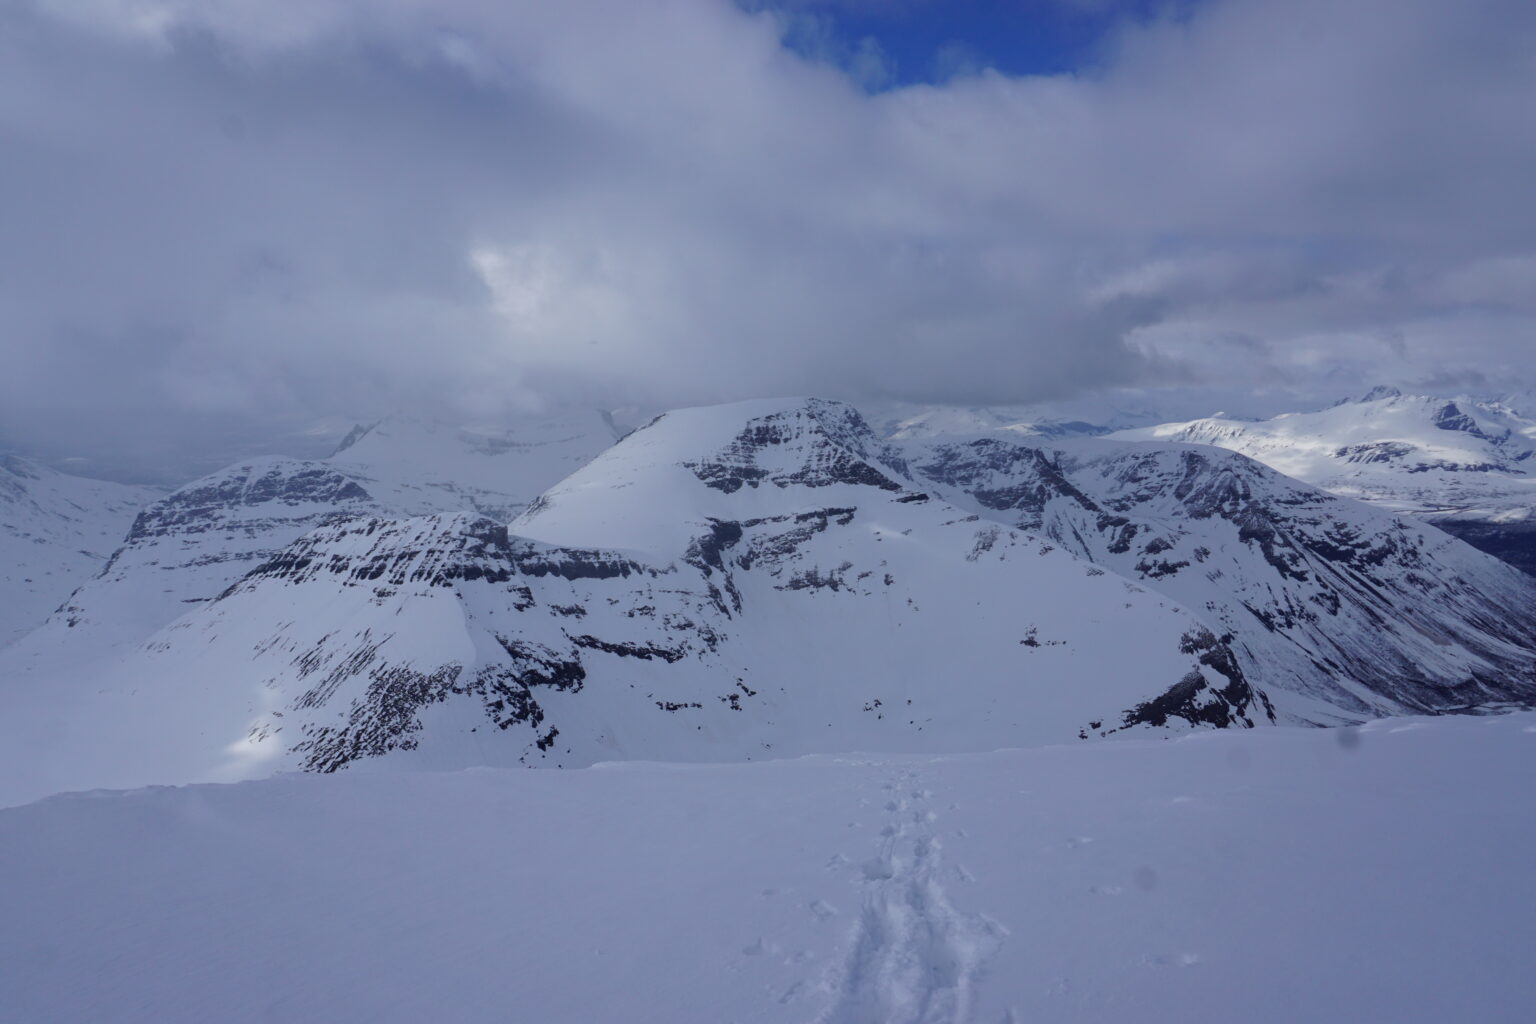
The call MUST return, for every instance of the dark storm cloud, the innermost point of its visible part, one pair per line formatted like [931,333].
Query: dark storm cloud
[265,212]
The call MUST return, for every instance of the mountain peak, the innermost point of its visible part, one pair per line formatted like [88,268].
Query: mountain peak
[735,461]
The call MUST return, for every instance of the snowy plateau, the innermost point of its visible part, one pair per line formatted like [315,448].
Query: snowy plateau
[934,715]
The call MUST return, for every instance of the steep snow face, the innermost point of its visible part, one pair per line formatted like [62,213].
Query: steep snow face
[56,531]
[1271,876]
[1463,464]
[188,547]
[1336,609]
[730,583]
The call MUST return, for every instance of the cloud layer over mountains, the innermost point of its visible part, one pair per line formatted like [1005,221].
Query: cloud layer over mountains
[264,211]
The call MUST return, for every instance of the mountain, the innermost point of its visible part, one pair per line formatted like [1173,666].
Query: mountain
[56,531]
[1464,464]
[763,579]
[186,548]
[757,580]
[1337,610]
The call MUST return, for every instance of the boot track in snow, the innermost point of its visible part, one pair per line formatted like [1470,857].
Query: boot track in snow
[913,957]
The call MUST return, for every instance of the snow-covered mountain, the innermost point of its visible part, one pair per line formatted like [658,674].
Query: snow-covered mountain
[56,531]
[1336,609]
[747,581]
[1464,464]
[756,580]
[186,548]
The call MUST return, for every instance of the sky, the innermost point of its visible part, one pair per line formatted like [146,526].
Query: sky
[236,222]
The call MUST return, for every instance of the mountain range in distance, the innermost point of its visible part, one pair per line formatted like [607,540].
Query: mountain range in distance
[776,578]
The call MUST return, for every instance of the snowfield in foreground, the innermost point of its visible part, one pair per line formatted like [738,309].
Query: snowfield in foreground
[1378,873]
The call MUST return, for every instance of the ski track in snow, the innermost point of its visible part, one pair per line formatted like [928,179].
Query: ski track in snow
[913,957]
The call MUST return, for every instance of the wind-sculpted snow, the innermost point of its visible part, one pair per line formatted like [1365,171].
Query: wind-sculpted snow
[1466,465]
[1334,609]
[640,609]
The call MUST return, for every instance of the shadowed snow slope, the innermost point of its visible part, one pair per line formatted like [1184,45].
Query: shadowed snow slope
[56,531]
[1336,609]
[1278,875]
[728,583]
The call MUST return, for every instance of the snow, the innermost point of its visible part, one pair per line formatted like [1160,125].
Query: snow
[56,530]
[1084,415]
[203,537]
[1390,451]
[416,467]
[1405,617]
[706,618]
[768,579]
[1379,873]
[841,611]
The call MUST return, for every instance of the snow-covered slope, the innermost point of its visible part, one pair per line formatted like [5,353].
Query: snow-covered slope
[56,531]
[746,581]
[1083,416]
[902,422]
[186,548]
[1464,464]
[1269,876]
[415,467]
[1336,609]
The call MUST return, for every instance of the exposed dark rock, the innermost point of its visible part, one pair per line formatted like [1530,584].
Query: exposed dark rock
[645,652]
[836,450]
[1196,701]
[203,507]
[1450,417]
[1380,451]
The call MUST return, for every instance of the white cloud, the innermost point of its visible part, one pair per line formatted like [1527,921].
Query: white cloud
[286,209]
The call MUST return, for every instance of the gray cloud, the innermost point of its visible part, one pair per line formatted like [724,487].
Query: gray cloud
[247,215]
